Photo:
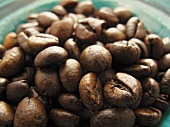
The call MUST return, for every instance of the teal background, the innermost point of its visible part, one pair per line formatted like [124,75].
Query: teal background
[154,13]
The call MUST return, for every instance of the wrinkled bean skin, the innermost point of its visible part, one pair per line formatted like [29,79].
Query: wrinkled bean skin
[151,91]
[90,89]
[148,116]
[123,91]
[16,91]
[124,52]
[114,117]
[30,112]
[50,56]
[70,74]
[12,62]
[47,81]
[90,58]
[165,83]
[6,114]
[63,118]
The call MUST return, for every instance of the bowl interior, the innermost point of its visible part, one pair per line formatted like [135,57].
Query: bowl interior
[16,12]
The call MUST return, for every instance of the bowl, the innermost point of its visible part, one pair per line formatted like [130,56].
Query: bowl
[155,14]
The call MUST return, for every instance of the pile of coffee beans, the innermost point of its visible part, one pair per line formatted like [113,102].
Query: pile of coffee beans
[77,66]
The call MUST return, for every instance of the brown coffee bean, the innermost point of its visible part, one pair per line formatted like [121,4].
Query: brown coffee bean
[112,34]
[47,82]
[108,15]
[69,5]
[10,40]
[85,8]
[59,10]
[92,59]
[45,19]
[123,14]
[151,91]
[70,74]
[31,31]
[164,62]
[32,17]
[72,48]
[41,41]
[30,112]
[123,91]
[147,116]
[3,83]
[124,52]
[2,50]
[166,43]
[16,91]
[121,27]
[71,103]
[50,56]
[114,117]
[12,62]
[90,89]
[6,114]
[135,28]
[62,29]
[155,45]
[165,83]
[63,118]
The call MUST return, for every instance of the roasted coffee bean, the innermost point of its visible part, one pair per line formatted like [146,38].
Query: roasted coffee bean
[62,29]
[31,31]
[30,112]
[121,27]
[85,8]
[92,59]
[45,19]
[90,89]
[3,83]
[63,118]
[47,81]
[135,28]
[41,41]
[69,5]
[142,45]
[59,10]
[165,83]
[147,116]
[166,43]
[107,14]
[164,62]
[2,50]
[12,62]
[123,91]
[10,40]
[70,74]
[112,34]
[50,56]
[32,17]
[151,91]
[124,52]
[71,103]
[123,14]
[27,74]
[161,102]
[114,117]
[16,91]
[6,114]
[106,76]
[72,48]
[155,45]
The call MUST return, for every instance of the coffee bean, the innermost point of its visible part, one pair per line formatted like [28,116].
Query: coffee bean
[31,31]
[166,43]
[92,59]
[70,74]
[121,27]
[63,118]
[124,52]
[16,91]
[135,28]
[123,91]
[6,114]
[165,83]
[164,62]
[90,89]
[114,117]
[69,5]
[59,10]
[147,116]
[2,50]
[10,40]
[50,56]
[12,62]
[30,112]
[3,83]
[47,81]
